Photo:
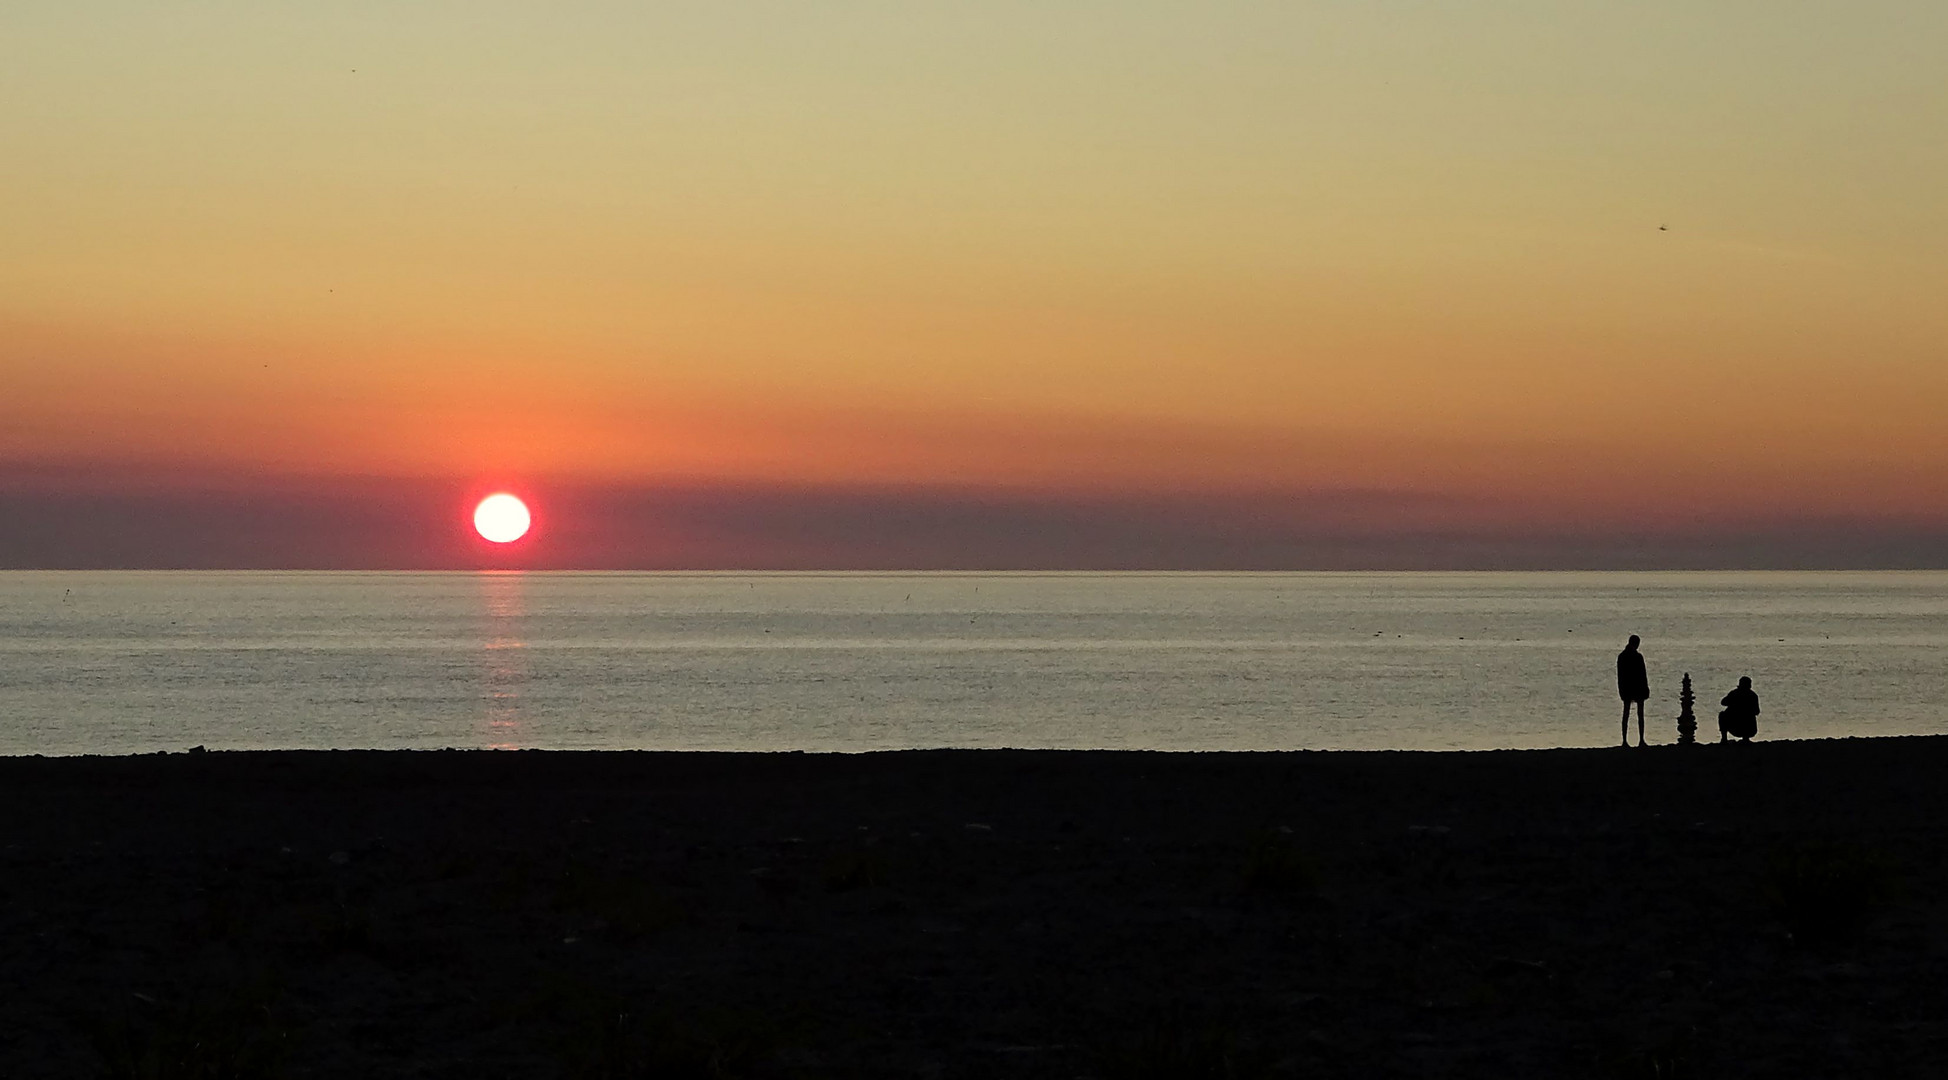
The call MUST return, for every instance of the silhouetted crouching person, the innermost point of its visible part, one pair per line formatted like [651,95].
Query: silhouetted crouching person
[1633,683]
[1740,717]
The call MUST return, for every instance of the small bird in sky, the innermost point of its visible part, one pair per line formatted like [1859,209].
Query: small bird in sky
[1663,228]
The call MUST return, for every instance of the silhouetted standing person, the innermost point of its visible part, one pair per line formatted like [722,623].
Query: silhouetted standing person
[1740,717]
[1633,683]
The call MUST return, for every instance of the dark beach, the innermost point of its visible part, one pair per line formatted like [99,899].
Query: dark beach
[1752,910]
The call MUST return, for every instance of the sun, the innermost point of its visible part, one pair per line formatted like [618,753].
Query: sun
[501,518]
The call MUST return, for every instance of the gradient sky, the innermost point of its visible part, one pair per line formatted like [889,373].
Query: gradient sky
[1131,283]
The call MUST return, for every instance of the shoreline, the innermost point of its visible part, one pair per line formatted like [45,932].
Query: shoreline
[267,753]
[1766,909]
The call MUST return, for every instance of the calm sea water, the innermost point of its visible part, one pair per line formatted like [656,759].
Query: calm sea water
[134,662]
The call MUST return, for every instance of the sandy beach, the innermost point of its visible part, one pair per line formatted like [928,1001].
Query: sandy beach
[1747,910]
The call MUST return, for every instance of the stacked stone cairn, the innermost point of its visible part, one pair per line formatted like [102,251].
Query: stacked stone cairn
[1687,724]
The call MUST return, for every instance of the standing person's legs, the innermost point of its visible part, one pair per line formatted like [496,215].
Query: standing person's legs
[1640,723]
[1626,724]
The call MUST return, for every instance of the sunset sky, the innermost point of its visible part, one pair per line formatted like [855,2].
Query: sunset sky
[1010,284]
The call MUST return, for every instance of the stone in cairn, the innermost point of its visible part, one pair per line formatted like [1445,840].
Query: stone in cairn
[1687,724]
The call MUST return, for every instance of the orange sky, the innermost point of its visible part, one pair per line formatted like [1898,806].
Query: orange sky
[1672,263]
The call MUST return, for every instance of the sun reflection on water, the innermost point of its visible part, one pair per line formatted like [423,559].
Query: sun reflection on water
[505,657]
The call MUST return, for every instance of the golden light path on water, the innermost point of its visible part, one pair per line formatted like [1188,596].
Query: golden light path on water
[504,652]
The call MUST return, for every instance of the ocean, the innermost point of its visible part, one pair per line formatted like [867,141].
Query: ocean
[135,662]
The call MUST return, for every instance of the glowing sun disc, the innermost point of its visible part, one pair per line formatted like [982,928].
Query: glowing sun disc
[501,518]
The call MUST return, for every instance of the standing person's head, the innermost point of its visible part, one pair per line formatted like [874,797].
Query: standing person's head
[1744,682]
[1633,642]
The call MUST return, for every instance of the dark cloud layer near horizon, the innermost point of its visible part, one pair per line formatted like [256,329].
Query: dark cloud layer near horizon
[389,524]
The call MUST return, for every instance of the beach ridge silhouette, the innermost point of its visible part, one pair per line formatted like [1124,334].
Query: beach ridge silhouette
[1017,913]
